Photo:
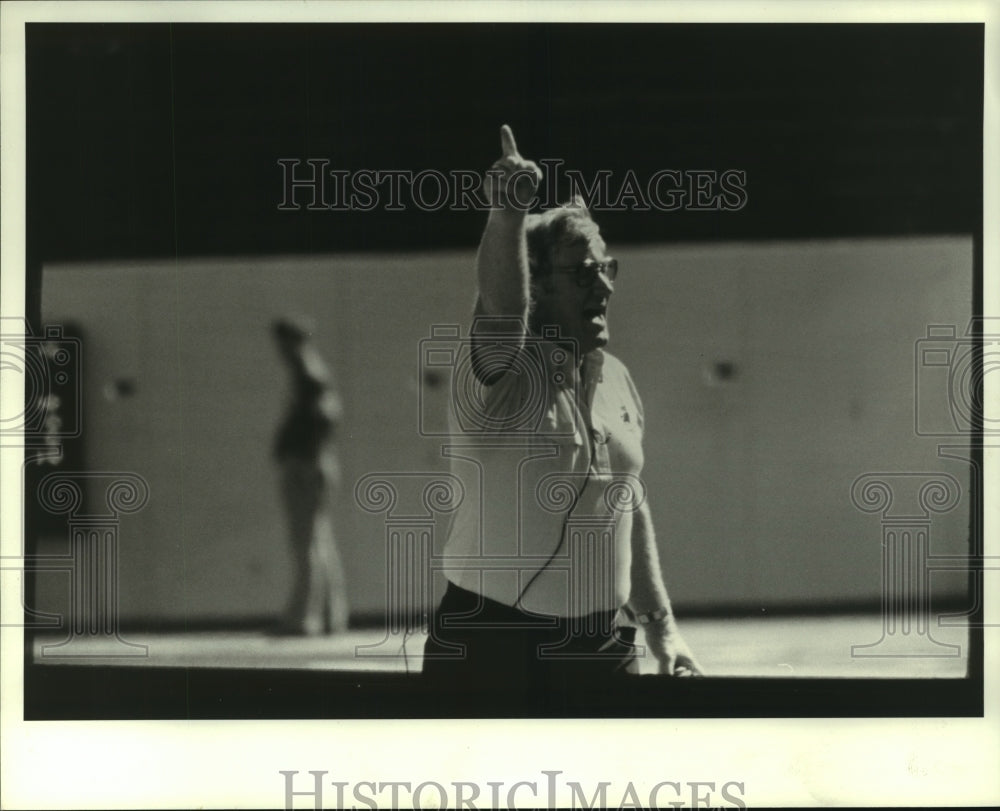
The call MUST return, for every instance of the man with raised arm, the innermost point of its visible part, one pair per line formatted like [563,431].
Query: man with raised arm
[553,541]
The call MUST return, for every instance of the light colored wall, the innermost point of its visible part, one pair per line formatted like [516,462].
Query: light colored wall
[749,480]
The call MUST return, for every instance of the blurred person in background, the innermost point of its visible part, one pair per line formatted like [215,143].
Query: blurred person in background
[310,473]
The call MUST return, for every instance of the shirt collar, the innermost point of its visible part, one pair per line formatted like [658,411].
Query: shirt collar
[593,366]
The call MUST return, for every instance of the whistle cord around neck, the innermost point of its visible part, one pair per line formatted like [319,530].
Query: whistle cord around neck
[562,537]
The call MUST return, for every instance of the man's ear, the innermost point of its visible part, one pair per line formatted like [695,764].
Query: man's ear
[541,289]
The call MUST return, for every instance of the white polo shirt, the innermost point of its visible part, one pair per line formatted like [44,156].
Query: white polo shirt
[549,456]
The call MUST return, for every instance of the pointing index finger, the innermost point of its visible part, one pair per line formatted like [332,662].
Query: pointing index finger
[507,143]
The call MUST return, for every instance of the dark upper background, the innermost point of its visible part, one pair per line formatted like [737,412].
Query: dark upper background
[162,140]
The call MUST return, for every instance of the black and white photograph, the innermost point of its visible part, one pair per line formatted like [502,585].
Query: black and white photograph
[448,407]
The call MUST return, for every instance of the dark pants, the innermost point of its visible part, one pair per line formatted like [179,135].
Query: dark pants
[477,643]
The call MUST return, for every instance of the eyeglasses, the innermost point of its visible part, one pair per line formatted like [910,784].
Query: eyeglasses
[586,272]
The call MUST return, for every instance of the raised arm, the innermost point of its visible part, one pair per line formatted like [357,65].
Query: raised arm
[502,261]
[651,605]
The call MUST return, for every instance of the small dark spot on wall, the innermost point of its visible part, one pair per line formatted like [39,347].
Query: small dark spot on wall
[720,372]
[724,370]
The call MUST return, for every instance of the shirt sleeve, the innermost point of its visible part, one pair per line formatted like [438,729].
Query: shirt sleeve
[497,401]
[634,392]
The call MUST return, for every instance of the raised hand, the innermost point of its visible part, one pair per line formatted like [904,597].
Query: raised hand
[511,181]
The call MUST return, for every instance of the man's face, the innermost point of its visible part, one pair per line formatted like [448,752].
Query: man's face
[580,313]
